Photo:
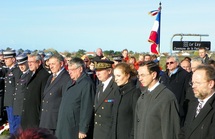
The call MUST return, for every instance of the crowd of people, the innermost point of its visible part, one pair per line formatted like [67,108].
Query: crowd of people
[99,98]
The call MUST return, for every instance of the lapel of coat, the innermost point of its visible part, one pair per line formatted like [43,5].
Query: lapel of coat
[105,94]
[50,85]
[36,72]
[202,115]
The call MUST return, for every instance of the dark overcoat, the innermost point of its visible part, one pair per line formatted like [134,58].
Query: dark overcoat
[76,108]
[21,88]
[203,126]
[156,115]
[51,100]
[124,109]
[32,98]
[103,120]
[11,78]
[178,83]
[3,71]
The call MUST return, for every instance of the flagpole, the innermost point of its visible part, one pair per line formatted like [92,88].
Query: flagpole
[159,29]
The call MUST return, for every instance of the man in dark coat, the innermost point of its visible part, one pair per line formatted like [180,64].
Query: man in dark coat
[11,78]
[53,92]
[200,119]
[76,108]
[203,55]
[99,55]
[3,71]
[156,114]
[176,79]
[104,100]
[35,87]
[21,87]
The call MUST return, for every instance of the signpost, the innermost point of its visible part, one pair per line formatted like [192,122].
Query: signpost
[190,45]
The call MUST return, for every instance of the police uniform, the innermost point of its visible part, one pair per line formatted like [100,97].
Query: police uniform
[11,78]
[104,104]
[20,86]
[20,89]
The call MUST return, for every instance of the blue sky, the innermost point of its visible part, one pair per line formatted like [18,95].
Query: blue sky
[70,25]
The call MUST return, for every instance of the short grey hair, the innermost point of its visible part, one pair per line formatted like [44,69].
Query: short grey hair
[77,61]
[37,56]
[174,57]
[196,59]
[59,57]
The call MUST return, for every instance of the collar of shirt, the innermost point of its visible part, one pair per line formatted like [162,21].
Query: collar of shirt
[153,87]
[56,74]
[26,71]
[206,99]
[105,83]
[173,72]
[13,66]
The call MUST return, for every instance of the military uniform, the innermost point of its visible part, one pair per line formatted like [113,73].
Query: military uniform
[104,102]
[103,111]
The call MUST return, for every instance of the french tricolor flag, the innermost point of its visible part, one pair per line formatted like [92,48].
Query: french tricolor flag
[154,37]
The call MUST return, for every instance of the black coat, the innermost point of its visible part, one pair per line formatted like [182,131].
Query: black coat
[51,100]
[21,88]
[11,78]
[32,99]
[178,83]
[3,71]
[103,120]
[76,108]
[124,109]
[203,126]
[156,115]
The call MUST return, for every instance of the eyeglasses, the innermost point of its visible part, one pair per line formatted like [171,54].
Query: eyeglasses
[196,83]
[142,75]
[167,63]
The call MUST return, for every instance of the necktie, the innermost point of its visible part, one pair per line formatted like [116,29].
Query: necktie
[199,107]
[54,77]
[100,90]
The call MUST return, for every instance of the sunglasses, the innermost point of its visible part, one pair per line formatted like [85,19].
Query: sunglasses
[167,63]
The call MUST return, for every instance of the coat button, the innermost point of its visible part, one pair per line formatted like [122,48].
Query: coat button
[103,108]
[14,99]
[95,114]
[42,109]
[50,94]
[138,120]
[96,123]
[100,116]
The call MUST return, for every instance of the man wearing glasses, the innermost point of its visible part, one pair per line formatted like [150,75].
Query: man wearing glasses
[176,79]
[35,87]
[156,113]
[76,108]
[200,119]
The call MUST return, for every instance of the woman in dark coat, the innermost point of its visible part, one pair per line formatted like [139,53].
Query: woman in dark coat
[125,101]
